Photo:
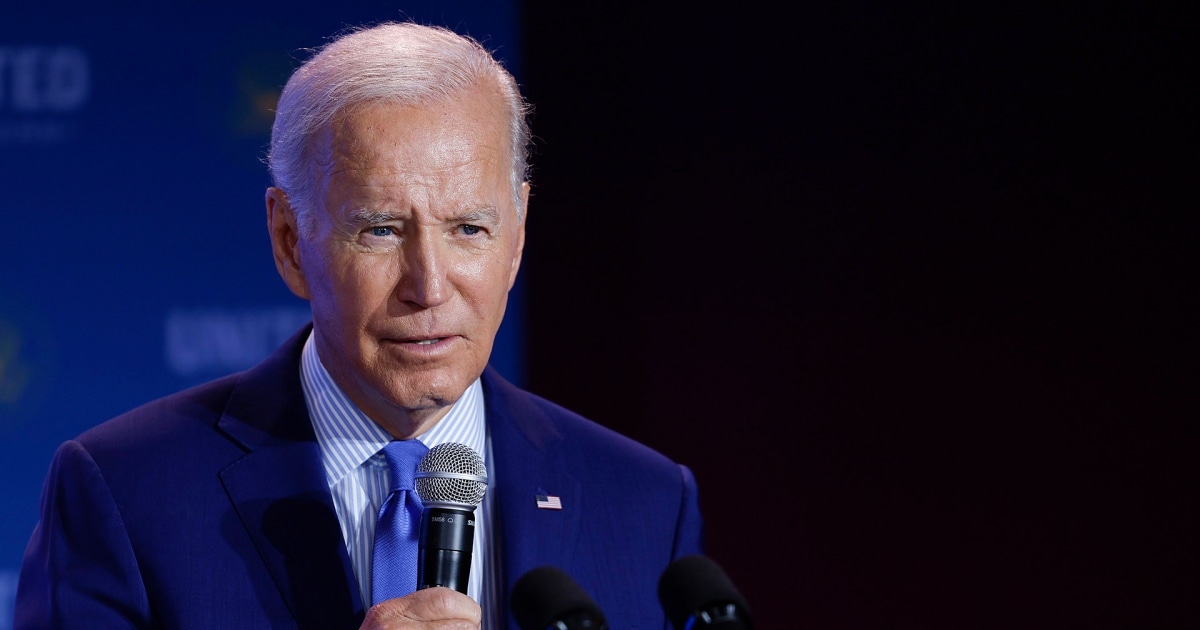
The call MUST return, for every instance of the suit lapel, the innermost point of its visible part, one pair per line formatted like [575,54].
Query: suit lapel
[285,507]
[280,494]
[529,462]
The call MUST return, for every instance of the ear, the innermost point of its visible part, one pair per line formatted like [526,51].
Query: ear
[285,239]
[516,261]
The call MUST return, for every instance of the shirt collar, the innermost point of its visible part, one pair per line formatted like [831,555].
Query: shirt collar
[348,438]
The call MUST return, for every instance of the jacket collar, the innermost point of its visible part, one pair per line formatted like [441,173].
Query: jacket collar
[279,491]
[282,499]
[531,460]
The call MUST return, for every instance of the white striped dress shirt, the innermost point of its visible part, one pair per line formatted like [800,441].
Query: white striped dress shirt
[351,445]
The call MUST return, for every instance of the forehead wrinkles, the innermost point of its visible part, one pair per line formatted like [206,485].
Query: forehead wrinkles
[444,147]
[426,144]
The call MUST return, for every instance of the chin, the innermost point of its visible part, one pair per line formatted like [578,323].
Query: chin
[425,390]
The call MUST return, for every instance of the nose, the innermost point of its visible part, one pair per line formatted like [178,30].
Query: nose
[423,281]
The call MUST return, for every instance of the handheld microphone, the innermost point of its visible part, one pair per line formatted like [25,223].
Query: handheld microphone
[546,598]
[451,480]
[695,593]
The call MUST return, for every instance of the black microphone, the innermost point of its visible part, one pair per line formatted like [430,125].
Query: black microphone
[451,480]
[546,598]
[696,593]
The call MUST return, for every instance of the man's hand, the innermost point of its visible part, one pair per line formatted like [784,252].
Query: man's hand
[426,609]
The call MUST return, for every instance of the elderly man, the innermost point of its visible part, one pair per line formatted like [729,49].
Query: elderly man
[399,210]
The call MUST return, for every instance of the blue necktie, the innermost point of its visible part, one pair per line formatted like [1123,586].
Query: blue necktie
[394,566]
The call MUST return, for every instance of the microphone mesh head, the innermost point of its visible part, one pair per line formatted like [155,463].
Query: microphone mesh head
[547,595]
[451,473]
[696,583]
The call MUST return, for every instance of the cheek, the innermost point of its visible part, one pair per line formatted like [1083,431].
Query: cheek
[493,270]
[317,263]
[348,286]
[491,286]
[366,286]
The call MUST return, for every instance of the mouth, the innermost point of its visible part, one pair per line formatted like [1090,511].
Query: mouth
[423,341]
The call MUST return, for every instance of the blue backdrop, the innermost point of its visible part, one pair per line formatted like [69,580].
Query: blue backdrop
[134,258]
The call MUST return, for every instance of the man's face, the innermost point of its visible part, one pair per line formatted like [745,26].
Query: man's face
[414,249]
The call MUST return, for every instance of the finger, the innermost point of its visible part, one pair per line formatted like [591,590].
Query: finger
[440,608]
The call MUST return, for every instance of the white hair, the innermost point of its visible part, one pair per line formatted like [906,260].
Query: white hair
[406,64]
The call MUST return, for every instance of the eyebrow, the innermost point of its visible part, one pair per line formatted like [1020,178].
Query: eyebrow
[364,216]
[488,213]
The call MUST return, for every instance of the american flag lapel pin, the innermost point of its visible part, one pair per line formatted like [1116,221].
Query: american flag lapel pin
[547,501]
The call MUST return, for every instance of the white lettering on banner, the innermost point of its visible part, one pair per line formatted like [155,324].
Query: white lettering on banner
[35,79]
[227,340]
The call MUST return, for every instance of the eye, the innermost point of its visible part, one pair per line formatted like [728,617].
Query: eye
[471,230]
[382,230]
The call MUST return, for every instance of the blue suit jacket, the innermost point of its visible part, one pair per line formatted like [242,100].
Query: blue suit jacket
[210,509]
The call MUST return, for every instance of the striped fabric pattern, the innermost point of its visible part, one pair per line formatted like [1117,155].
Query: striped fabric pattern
[351,447]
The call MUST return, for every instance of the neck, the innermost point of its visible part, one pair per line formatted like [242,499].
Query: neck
[412,424]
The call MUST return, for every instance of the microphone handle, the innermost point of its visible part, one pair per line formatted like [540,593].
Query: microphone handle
[725,616]
[447,539]
[582,620]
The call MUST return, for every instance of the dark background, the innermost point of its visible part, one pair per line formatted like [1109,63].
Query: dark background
[910,290]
